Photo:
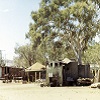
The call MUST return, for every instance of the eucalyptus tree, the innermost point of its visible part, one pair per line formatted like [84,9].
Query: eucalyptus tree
[91,55]
[37,42]
[25,56]
[72,22]
[79,25]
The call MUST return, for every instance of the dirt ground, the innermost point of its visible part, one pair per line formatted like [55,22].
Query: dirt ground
[19,91]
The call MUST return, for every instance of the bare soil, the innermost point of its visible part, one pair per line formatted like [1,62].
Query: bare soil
[19,91]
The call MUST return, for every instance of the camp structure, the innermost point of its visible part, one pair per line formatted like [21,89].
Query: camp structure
[35,72]
[11,70]
[61,72]
[65,72]
[95,69]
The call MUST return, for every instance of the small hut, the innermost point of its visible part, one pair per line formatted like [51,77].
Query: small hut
[36,71]
[62,73]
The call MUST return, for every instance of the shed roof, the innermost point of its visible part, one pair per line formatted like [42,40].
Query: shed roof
[36,67]
[66,60]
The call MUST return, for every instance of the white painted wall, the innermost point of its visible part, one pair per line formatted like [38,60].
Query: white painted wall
[0,71]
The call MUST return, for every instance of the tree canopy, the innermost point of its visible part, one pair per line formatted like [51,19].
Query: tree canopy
[63,28]
[92,54]
[25,55]
[74,23]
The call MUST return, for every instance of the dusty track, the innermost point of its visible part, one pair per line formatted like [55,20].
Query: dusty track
[19,91]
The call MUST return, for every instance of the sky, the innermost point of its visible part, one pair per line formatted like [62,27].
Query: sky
[15,17]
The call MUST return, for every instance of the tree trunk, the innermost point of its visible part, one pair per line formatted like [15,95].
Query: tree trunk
[77,52]
[30,62]
[79,57]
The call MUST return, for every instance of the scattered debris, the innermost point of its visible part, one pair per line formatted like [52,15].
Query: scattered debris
[84,81]
[95,85]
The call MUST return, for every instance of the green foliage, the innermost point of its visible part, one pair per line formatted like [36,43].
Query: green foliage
[26,56]
[92,54]
[62,29]
[74,21]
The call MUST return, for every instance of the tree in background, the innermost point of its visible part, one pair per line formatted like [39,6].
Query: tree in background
[26,56]
[92,54]
[74,23]
[61,29]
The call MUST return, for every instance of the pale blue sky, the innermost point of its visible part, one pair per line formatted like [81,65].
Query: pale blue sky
[14,23]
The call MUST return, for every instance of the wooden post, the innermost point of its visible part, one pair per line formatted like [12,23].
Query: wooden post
[39,75]
[35,76]
[99,75]
[96,79]
[28,76]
